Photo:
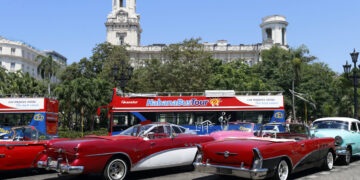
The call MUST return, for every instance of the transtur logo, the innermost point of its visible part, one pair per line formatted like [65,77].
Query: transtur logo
[39,117]
[278,115]
[129,102]
[215,102]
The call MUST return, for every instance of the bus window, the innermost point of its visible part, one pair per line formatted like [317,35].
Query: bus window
[181,118]
[15,119]
[123,120]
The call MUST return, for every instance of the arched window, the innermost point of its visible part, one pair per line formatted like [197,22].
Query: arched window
[283,31]
[269,33]
[121,3]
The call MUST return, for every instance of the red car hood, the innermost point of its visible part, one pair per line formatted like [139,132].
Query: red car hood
[240,150]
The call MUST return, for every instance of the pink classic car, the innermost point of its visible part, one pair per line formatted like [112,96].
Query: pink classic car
[245,130]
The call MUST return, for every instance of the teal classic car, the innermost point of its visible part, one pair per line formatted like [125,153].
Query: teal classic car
[346,132]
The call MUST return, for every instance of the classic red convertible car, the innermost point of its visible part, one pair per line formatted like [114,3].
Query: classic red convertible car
[270,154]
[140,147]
[22,149]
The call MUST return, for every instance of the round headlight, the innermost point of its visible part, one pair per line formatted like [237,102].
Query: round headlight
[338,140]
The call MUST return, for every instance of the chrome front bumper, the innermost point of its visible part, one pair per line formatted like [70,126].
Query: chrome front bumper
[340,151]
[229,170]
[62,169]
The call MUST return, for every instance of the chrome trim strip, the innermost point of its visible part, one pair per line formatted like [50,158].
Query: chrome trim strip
[23,144]
[34,162]
[257,150]
[260,156]
[307,156]
[160,152]
[112,153]
[280,157]
[226,154]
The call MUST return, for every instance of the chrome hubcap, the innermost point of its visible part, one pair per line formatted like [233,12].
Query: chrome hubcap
[116,170]
[283,170]
[330,160]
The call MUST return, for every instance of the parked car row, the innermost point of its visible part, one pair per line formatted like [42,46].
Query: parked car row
[274,150]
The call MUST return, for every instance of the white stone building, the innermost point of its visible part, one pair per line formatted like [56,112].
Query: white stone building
[123,27]
[16,55]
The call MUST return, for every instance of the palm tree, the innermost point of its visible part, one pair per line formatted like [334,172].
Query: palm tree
[300,56]
[47,68]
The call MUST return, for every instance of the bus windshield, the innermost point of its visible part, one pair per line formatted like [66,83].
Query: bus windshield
[38,112]
[15,119]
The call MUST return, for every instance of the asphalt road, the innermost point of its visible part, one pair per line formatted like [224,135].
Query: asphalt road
[350,172]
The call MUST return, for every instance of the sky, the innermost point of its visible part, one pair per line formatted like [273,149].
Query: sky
[329,28]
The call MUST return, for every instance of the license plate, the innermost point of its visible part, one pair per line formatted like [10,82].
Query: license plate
[53,164]
[223,171]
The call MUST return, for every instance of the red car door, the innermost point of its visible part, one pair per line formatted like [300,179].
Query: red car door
[24,149]
[159,153]
[22,154]
[307,150]
[2,155]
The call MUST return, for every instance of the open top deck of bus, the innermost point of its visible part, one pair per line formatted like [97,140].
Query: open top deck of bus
[211,110]
[207,93]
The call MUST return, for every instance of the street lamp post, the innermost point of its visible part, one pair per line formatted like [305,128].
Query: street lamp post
[354,57]
[125,74]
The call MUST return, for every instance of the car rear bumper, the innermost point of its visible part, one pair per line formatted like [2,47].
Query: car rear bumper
[62,169]
[229,170]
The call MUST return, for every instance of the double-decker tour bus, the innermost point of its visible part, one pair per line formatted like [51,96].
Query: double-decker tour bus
[41,113]
[203,112]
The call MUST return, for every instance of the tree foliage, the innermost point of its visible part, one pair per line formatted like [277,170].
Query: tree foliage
[47,69]
[20,84]
[188,67]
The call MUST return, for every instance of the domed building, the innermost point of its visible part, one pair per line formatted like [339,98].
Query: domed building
[123,27]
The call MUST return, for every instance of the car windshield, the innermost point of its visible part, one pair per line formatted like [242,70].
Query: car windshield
[137,130]
[330,124]
[28,134]
[284,131]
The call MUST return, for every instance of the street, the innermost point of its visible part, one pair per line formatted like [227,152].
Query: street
[350,172]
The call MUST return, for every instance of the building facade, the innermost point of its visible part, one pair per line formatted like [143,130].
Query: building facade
[123,27]
[16,55]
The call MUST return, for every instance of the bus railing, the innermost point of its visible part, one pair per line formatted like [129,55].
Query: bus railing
[25,96]
[220,94]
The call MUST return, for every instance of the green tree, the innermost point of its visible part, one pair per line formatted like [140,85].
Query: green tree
[235,76]
[283,70]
